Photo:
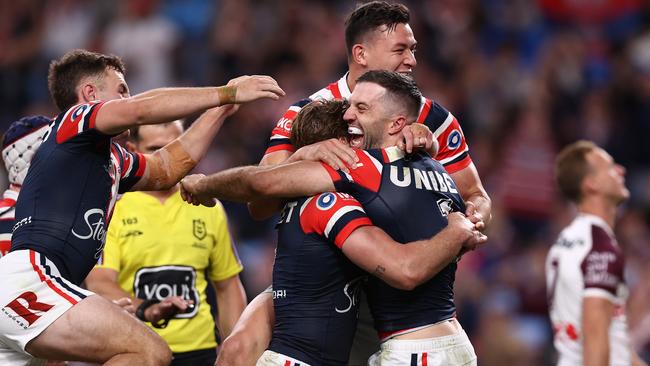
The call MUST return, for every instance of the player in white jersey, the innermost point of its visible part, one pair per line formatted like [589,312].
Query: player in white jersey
[584,268]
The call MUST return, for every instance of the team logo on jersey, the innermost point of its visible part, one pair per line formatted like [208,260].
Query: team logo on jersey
[446,206]
[454,139]
[198,229]
[79,111]
[159,283]
[326,201]
[29,313]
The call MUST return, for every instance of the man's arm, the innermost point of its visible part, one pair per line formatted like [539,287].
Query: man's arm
[231,301]
[406,266]
[251,335]
[165,167]
[597,315]
[103,281]
[244,184]
[479,205]
[168,104]
[332,152]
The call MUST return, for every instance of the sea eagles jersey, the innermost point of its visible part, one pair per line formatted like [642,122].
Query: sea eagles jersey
[68,195]
[453,152]
[586,261]
[409,197]
[315,287]
[7,219]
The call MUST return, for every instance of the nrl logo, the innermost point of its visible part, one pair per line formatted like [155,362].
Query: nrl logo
[198,229]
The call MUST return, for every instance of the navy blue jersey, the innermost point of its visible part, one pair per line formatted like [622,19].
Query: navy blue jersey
[409,197]
[315,286]
[69,193]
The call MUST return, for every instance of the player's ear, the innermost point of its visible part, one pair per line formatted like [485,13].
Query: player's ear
[88,92]
[359,54]
[588,185]
[397,125]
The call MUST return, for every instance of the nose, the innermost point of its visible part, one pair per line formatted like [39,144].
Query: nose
[410,60]
[348,116]
[621,169]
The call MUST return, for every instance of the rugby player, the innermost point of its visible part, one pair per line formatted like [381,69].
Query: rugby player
[407,196]
[68,197]
[585,267]
[377,37]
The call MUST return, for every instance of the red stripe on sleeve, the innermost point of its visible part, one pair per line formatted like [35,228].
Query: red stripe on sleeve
[282,147]
[425,111]
[142,164]
[349,228]
[93,115]
[459,165]
[333,173]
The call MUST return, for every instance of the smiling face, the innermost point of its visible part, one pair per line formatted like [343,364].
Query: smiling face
[366,117]
[390,49]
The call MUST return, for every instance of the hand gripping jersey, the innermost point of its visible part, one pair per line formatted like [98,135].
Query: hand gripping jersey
[315,287]
[453,152]
[586,261]
[409,197]
[69,192]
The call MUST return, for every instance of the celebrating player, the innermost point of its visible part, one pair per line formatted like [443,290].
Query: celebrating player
[68,197]
[407,197]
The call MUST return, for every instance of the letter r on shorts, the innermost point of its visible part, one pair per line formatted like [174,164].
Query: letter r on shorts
[32,304]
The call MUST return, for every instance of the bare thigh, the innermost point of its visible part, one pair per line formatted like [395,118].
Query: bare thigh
[94,330]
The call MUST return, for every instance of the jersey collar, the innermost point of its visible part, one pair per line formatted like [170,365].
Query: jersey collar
[343,86]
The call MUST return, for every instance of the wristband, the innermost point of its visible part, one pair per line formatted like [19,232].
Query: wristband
[139,312]
[227,94]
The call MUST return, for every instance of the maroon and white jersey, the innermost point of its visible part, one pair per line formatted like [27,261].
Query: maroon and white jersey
[453,152]
[586,261]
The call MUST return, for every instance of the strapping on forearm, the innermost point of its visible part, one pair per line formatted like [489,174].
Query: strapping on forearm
[169,165]
[227,94]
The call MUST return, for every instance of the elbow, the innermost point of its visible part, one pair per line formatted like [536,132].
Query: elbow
[407,279]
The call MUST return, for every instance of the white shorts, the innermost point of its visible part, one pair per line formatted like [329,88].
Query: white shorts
[452,350]
[270,358]
[32,296]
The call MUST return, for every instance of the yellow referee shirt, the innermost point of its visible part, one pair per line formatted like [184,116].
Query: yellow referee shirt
[167,249]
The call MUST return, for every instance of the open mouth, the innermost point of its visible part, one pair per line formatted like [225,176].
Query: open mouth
[356,137]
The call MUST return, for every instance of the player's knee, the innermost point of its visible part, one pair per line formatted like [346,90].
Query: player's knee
[236,347]
[158,352]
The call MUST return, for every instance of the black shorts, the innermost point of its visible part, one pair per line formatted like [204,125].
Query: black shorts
[204,357]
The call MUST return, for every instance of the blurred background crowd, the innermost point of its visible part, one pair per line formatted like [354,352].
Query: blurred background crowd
[524,78]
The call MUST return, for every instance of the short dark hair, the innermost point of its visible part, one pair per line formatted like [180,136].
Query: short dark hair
[318,121]
[367,17]
[401,89]
[571,167]
[65,73]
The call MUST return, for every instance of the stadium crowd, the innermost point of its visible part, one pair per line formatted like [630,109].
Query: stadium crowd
[524,79]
